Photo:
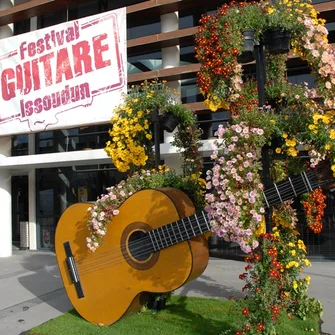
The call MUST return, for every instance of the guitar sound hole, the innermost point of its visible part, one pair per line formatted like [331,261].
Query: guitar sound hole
[138,246]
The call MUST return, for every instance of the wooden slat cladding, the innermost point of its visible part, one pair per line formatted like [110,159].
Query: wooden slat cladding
[40,7]
[135,12]
[156,42]
[30,9]
[155,7]
[174,73]
[326,10]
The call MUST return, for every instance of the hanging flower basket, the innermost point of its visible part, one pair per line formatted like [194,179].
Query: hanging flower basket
[277,40]
[247,54]
[169,122]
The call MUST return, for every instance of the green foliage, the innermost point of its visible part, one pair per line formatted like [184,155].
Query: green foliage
[183,316]
[307,307]
[131,137]
[192,185]
[247,17]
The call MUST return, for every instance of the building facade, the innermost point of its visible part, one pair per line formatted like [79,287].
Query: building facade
[42,174]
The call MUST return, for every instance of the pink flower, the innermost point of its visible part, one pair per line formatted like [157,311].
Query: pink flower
[252,200]
[315,53]
[238,129]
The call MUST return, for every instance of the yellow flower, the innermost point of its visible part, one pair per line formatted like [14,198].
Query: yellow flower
[278,150]
[292,152]
[332,134]
[261,229]
[327,146]
[284,135]
[271,10]
[148,136]
[308,280]
[293,252]
[295,285]
[291,143]
[307,262]
[301,245]
[292,264]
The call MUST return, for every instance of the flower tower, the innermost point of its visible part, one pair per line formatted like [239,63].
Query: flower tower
[295,124]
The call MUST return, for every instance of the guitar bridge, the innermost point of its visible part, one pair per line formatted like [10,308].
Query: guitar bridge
[72,269]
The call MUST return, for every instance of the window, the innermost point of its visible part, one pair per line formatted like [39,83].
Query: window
[82,138]
[58,188]
[19,145]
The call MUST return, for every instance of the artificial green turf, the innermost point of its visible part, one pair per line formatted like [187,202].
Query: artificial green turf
[183,316]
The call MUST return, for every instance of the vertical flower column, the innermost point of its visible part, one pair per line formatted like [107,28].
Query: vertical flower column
[170,59]
[5,176]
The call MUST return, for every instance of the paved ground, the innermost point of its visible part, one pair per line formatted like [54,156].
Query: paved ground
[31,289]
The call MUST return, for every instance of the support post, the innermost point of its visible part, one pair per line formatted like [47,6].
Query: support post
[261,79]
[156,124]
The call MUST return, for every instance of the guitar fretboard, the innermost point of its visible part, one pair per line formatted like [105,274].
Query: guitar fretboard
[291,188]
[179,231]
[198,224]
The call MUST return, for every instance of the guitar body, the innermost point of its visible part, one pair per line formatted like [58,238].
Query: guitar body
[112,280]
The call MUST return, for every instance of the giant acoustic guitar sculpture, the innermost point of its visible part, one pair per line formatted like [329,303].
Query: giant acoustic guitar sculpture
[155,244]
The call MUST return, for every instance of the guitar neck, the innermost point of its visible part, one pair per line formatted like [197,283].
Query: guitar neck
[290,188]
[179,231]
[198,224]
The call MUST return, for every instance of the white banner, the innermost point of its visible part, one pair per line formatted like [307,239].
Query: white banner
[63,76]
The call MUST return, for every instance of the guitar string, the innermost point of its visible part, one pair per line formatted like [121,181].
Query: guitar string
[287,193]
[148,249]
[140,241]
[147,239]
[272,192]
[268,196]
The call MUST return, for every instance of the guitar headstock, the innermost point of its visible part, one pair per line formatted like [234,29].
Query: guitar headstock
[324,175]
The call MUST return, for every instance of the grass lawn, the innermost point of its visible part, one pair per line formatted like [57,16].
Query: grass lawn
[183,316]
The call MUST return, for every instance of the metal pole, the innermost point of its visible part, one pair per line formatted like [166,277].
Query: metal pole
[156,124]
[261,79]
[260,72]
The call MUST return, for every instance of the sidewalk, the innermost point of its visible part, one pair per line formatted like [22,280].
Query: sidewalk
[31,289]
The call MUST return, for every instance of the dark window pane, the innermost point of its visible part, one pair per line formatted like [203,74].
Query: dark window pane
[19,145]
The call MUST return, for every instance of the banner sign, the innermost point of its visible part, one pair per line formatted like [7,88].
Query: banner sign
[63,76]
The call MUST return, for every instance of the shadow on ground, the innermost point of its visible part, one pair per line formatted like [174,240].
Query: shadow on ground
[205,286]
[45,282]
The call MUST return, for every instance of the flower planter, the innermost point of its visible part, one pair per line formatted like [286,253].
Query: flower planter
[247,54]
[277,40]
[169,122]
